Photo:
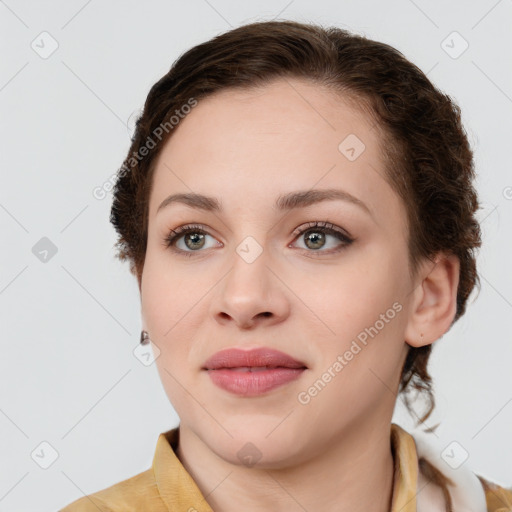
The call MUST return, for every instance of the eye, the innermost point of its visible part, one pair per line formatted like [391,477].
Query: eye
[316,236]
[193,237]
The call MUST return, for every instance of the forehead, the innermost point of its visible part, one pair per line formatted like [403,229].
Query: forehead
[250,146]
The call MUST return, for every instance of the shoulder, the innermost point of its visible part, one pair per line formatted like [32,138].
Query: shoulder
[499,499]
[132,494]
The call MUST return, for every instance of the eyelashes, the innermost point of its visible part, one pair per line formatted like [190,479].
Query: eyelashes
[312,228]
[175,234]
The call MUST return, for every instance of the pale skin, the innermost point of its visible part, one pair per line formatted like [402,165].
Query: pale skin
[247,148]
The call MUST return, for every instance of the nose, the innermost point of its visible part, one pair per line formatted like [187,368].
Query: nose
[252,293]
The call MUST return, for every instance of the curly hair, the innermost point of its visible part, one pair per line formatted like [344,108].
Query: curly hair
[428,159]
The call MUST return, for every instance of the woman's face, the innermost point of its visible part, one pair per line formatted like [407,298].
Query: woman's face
[248,279]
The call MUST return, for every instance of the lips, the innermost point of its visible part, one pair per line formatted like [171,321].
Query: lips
[252,373]
[251,360]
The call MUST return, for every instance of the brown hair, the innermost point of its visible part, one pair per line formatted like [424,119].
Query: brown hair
[428,159]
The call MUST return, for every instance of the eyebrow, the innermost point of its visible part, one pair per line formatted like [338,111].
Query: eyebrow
[290,201]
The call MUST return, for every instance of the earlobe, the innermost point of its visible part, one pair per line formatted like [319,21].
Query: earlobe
[435,301]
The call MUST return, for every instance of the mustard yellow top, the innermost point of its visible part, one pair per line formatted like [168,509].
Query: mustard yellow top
[167,486]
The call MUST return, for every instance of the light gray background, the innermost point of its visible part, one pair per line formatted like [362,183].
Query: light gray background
[69,325]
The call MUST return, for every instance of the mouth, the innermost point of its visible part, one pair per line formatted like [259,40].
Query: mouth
[245,369]
[251,382]
[254,372]
[253,360]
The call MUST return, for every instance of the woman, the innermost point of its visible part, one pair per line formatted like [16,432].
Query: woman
[298,209]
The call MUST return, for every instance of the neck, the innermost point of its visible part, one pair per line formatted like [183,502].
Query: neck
[354,473]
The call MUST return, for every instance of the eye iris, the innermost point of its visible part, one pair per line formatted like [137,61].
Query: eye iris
[315,236]
[195,237]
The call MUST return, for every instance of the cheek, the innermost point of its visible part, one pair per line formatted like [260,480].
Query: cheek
[164,294]
[364,311]
[164,310]
[364,345]
[357,295]
[171,308]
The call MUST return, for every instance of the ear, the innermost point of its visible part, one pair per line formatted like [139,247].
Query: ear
[435,300]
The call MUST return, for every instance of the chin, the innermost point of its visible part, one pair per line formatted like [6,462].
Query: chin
[257,456]
[256,442]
